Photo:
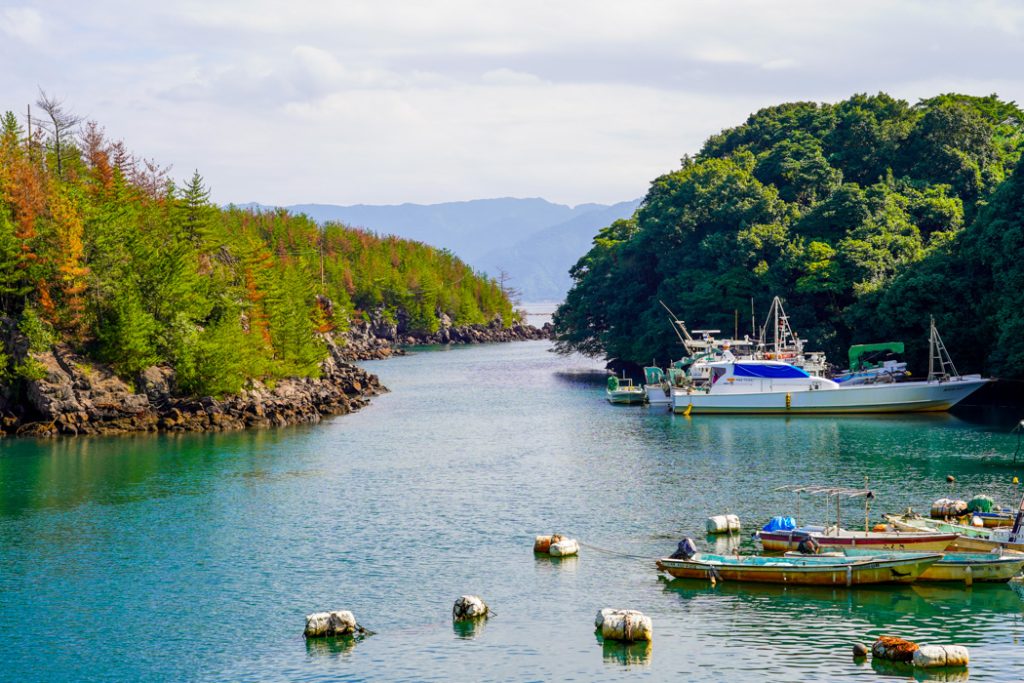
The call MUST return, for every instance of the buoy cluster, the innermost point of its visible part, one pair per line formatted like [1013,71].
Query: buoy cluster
[556,545]
[892,649]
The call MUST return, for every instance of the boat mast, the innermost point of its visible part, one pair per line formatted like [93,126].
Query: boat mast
[937,354]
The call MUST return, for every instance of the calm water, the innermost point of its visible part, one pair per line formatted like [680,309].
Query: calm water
[196,557]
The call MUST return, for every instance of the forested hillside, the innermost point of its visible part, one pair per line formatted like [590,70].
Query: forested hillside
[866,216]
[102,251]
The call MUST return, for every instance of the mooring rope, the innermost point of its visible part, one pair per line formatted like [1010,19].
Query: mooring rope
[616,553]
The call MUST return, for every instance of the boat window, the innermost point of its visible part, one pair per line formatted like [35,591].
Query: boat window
[718,372]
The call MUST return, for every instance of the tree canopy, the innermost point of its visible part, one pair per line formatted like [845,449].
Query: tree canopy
[100,250]
[866,216]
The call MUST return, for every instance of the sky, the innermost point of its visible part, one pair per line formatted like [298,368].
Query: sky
[390,102]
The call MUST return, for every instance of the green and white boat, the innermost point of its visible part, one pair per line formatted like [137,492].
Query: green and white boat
[624,392]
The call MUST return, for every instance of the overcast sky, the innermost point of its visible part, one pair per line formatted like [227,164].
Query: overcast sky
[388,102]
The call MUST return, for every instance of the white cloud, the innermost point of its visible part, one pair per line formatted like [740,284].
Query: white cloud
[22,23]
[454,99]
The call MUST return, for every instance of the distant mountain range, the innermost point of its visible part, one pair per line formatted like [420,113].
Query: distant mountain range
[535,241]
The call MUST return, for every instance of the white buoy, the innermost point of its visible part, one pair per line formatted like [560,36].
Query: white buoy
[723,524]
[542,544]
[469,607]
[564,548]
[930,656]
[338,623]
[627,625]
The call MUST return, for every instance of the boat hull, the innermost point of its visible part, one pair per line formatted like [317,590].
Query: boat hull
[899,397]
[961,567]
[994,570]
[626,398]
[784,541]
[803,572]
[656,395]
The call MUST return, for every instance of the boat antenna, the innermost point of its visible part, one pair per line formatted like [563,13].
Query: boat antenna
[753,332]
[677,325]
[1020,432]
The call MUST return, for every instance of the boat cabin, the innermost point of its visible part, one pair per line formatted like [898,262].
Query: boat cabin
[749,376]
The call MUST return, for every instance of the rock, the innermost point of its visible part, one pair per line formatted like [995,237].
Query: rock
[157,383]
[469,607]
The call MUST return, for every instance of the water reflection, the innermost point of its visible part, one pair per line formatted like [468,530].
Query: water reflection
[627,654]
[468,630]
[330,647]
[937,609]
[909,672]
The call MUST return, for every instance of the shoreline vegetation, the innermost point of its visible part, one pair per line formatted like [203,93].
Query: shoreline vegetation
[130,303]
[866,216]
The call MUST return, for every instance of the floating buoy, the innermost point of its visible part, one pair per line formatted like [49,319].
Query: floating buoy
[948,507]
[723,524]
[542,544]
[880,527]
[930,656]
[860,650]
[950,478]
[338,623]
[894,649]
[469,607]
[1016,480]
[626,625]
[564,548]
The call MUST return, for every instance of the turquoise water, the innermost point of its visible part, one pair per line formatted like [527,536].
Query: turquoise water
[196,557]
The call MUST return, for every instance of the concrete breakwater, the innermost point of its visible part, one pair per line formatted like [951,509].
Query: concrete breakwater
[78,396]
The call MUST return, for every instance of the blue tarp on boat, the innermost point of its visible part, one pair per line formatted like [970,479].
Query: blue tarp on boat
[766,371]
[780,524]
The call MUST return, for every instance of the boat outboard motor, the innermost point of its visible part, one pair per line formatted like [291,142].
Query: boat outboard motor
[808,546]
[686,549]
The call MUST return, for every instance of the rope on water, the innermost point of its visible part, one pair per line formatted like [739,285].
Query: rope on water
[616,553]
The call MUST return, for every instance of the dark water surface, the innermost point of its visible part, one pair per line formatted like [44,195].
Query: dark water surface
[196,557]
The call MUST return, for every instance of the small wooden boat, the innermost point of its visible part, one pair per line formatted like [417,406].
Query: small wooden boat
[957,567]
[969,538]
[834,537]
[804,571]
[623,392]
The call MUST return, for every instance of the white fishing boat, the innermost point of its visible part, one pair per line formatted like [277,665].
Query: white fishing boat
[776,341]
[658,387]
[770,386]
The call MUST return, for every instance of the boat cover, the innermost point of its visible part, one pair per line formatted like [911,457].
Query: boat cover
[768,371]
[780,524]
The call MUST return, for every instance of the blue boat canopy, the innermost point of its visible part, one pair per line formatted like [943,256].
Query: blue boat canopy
[765,371]
[780,524]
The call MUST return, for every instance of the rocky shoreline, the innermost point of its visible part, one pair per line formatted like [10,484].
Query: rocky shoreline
[378,338]
[78,396]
